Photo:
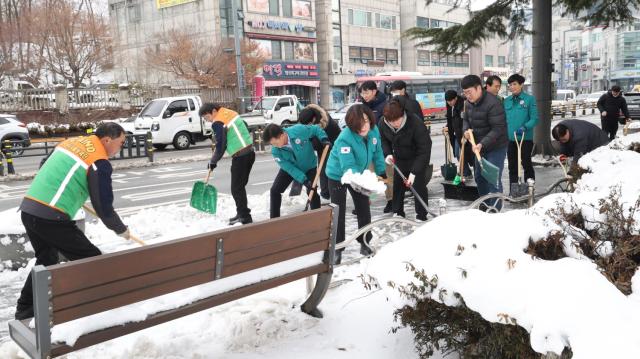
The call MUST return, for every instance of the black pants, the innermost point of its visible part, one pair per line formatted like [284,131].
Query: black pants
[240,170]
[280,184]
[399,188]
[609,126]
[49,238]
[512,155]
[361,202]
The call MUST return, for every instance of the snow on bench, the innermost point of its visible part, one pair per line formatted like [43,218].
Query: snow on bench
[82,303]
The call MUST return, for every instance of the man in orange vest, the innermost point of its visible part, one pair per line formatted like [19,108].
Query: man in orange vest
[232,135]
[78,169]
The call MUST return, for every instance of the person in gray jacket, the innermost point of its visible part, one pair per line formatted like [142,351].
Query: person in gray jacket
[578,137]
[485,117]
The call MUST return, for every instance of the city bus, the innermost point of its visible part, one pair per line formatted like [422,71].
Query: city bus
[428,90]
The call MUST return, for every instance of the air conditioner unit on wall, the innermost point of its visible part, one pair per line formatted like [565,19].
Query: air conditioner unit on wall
[334,65]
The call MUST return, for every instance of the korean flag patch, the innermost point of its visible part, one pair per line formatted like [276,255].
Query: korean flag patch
[374,141]
[298,141]
[345,150]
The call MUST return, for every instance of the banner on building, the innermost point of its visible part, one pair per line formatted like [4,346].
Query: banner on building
[161,4]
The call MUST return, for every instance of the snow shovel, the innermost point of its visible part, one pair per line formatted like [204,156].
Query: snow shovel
[204,197]
[489,171]
[459,178]
[448,169]
[315,180]
[131,236]
[519,189]
[415,193]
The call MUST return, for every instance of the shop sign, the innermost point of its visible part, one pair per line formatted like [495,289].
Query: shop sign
[278,70]
[276,25]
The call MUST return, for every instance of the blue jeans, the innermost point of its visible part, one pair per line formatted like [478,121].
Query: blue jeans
[496,157]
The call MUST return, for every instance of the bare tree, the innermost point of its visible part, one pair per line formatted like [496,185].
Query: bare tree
[78,44]
[200,60]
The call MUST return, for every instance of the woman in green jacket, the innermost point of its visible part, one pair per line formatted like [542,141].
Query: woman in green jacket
[357,147]
[522,117]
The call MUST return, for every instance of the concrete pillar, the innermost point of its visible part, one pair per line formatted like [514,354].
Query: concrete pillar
[165,90]
[314,96]
[62,98]
[541,82]
[123,96]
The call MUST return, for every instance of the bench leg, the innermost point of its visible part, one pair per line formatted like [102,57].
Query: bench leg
[322,285]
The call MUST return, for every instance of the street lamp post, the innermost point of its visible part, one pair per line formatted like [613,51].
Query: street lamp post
[235,16]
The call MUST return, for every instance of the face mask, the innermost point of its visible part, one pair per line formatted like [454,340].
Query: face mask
[395,94]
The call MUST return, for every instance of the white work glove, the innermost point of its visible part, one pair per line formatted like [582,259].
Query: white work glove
[389,160]
[604,113]
[126,234]
[410,180]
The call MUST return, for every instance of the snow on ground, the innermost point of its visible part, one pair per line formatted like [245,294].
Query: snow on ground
[561,303]
[357,322]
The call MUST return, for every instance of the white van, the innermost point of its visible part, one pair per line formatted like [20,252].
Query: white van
[173,120]
[281,110]
[562,98]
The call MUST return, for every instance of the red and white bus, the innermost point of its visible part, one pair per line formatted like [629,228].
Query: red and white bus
[428,90]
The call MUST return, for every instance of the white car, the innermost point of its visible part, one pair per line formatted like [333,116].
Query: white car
[593,98]
[341,113]
[12,129]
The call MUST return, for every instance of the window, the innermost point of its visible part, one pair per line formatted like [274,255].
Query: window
[387,55]
[283,102]
[302,8]
[360,54]
[359,18]
[273,7]
[276,50]
[385,21]
[423,58]
[488,60]
[192,106]
[422,22]
[177,106]
[3,121]
[501,61]
[337,53]
[435,23]
[134,12]
[287,8]
[288,50]
[303,51]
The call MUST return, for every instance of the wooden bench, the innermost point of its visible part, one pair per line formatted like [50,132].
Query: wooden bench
[78,289]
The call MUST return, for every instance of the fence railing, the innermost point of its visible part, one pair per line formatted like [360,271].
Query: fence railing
[24,100]
[135,146]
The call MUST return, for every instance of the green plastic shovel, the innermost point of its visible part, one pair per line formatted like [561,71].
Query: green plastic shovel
[489,171]
[204,197]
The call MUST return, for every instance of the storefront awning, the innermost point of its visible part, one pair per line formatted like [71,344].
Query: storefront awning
[277,83]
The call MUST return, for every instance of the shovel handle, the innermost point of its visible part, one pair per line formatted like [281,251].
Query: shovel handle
[131,236]
[137,240]
[206,180]
[317,177]
[473,143]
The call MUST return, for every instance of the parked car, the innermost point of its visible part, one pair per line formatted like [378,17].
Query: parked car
[12,129]
[593,98]
[173,120]
[580,98]
[633,104]
[340,114]
[562,98]
[281,110]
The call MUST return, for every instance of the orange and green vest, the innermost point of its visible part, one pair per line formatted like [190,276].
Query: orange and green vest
[238,136]
[62,182]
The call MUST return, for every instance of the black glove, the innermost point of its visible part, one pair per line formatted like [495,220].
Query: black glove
[211,166]
[326,143]
[308,185]
[383,176]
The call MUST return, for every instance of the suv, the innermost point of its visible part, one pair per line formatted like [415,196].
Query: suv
[633,104]
[12,129]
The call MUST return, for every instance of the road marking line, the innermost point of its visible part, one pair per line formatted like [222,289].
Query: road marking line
[260,183]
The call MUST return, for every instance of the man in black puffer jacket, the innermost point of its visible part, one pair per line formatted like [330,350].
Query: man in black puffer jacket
[316,115]
[406,142]
[610,105]
[486,118]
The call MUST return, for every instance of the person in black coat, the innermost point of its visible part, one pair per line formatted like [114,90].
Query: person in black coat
[455,109]
[372,98]
[610,105]
[316,115]
[399,88]
[578,137]
[406,142]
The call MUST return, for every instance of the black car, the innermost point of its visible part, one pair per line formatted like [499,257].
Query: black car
[633,104]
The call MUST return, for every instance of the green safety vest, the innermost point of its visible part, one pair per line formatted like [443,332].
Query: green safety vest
[238,136]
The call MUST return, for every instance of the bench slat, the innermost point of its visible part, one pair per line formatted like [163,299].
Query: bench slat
[159,318]
[120,287]
[229,270]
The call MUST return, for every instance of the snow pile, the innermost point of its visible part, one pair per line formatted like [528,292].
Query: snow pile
[11,222]
[635,125]
[366,181]
[566,302]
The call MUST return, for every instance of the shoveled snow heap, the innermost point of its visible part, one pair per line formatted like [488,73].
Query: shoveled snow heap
[367,180]
[566,302]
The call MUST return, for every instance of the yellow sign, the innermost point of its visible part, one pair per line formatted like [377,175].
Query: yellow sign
[167,3]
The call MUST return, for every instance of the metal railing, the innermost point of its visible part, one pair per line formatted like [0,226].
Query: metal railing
[93,98]
[24,100]
[135,146]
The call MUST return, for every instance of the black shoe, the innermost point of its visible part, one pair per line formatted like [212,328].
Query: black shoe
[234,218]
[401,214]
[242,220]
[365,250]
[354,212]
[24,313]
[388,208]
[325,196]
[421,217]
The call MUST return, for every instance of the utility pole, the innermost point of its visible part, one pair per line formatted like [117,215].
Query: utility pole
[235,16]
[541,81]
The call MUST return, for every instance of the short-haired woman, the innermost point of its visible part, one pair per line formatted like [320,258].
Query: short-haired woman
[357,147]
